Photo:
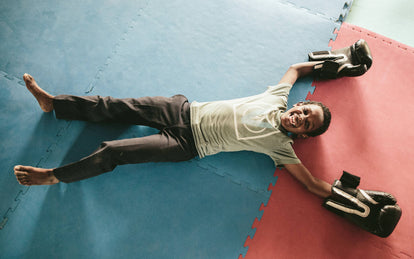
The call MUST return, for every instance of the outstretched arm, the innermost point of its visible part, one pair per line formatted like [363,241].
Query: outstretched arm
[374,211]
[313,184]
[296,71]
[299,171]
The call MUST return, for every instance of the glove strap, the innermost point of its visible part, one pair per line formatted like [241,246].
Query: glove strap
[327,69]
[350,180]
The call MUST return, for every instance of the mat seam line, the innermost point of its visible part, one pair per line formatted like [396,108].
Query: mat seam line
[212,169]
[341,15]
[114,52]
[383,39]
[62,131]
[22,189]
[43,158]
[337,25]
[394,44]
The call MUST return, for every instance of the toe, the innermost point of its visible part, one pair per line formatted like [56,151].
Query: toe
[21,181]
[24,180]
[25,168]
[20,173]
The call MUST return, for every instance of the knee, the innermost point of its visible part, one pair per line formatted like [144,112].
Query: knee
[108,147]
[107,150]
[108,157]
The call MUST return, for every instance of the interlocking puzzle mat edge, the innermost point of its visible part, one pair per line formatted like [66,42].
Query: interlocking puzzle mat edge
[98,75]
[292,218]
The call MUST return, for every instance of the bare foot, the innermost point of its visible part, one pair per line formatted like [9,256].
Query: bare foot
[44,99]
[27,175]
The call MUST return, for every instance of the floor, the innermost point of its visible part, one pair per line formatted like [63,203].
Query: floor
[198,209]
[392,19]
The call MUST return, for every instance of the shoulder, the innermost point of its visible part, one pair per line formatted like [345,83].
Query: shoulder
[281,150]
[279,89]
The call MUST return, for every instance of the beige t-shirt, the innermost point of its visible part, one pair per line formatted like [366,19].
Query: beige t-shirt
[250,123]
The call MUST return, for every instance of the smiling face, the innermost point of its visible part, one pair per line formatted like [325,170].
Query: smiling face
[302,118]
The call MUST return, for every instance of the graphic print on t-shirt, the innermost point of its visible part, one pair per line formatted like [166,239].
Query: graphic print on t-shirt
[252,121]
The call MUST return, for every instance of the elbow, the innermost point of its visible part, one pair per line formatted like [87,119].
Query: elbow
[302,69]
[294,69]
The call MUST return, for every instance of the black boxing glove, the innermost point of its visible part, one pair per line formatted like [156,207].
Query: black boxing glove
[374,211]
[354,60]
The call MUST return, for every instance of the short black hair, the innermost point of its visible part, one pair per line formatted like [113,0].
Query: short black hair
[326,119]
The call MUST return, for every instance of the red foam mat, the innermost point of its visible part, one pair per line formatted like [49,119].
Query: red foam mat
[371,135]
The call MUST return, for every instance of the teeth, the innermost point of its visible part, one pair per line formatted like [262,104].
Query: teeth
[292,121]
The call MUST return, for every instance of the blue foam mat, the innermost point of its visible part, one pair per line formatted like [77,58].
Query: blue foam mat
[333,10]
[183,52]
[95,219]
[205,50]
[65,42]
[26,137]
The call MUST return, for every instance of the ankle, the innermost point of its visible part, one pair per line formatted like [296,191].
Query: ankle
[52,177]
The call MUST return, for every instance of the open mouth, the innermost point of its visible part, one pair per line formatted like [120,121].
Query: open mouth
[293,120]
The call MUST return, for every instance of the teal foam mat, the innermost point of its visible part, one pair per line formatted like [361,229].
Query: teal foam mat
[205,50]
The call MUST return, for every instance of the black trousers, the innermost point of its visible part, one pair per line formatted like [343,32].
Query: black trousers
[171,116]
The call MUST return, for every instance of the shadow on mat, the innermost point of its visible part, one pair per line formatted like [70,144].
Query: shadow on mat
[151,209]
